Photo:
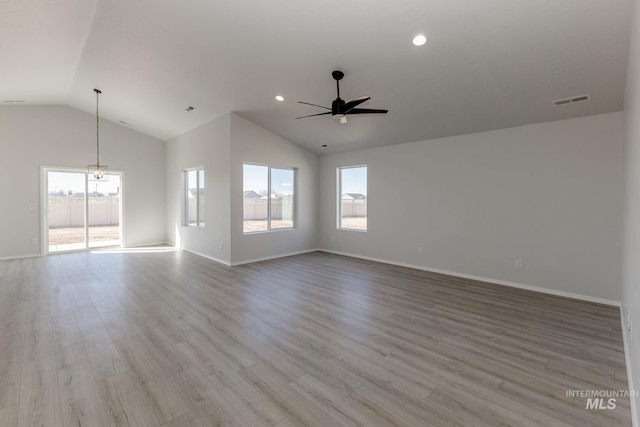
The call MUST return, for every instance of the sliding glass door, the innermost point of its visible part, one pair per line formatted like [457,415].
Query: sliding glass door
[80,213]
[66,196]
[103,201]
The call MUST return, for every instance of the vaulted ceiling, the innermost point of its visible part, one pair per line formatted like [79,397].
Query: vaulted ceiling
[487,64]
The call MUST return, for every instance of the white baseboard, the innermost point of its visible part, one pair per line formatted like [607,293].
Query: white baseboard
[635,422]
[218,260]
[483,279]
[20,257]
[249,261]
[148,244]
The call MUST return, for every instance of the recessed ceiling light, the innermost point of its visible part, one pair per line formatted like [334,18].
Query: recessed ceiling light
[419,40]
[279,98]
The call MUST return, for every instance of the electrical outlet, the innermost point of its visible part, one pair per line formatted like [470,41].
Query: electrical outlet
[420,250]
[34,241]
[518,263]
[221,245]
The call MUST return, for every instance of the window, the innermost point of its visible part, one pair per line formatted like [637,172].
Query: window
[352,198]
[268,196]
[194,198]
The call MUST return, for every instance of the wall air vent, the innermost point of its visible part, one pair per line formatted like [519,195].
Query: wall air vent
[572,100]
[189,108]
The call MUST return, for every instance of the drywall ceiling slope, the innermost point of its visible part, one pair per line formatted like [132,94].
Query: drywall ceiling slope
[487,65]
[40,45]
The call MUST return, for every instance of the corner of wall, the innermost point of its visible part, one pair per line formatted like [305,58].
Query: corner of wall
[630,306]
[250,143]
[206,146]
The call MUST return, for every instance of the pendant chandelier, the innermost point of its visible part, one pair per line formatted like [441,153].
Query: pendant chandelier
[98,172]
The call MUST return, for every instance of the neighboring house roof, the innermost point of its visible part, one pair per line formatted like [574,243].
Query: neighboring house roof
[251,195]
[353,196]
[194,191]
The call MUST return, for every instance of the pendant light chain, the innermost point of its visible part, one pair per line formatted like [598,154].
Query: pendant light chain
[98,172]
[97,129]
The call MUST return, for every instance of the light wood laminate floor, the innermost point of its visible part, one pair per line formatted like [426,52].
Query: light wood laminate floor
[172,339]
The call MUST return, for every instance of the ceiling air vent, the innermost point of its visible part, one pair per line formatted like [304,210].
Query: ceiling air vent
[572,100]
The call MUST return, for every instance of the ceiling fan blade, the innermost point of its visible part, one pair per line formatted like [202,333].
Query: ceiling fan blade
[352,104]
[312,115]
[315,105]
[367,111]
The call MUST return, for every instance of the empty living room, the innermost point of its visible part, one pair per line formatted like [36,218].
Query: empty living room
[328,214]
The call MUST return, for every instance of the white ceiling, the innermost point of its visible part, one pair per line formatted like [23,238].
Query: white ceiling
[488,64]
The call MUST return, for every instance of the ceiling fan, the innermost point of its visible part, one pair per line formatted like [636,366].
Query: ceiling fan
[339,108]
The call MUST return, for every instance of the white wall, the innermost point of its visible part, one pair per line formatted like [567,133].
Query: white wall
[549,194]
[631,272]
[254,144]
[206,146]
[31,137]
[222,146]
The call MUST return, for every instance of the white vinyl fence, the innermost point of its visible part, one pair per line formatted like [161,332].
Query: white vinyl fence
[68,211]
[193,207]
[354,208]
[257,209]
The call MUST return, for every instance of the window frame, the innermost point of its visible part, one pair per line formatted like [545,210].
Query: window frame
[339,194]
[200,222]
[294,216]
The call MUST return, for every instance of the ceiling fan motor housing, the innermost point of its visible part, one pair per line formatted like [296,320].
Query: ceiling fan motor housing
[337,108]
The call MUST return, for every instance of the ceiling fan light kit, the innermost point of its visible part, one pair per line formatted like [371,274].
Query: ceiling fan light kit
[339,108]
